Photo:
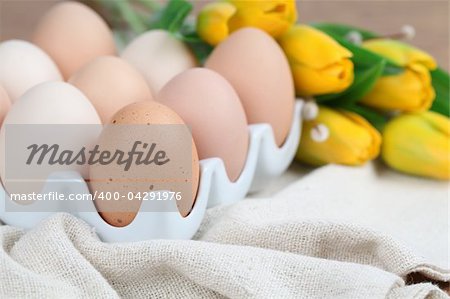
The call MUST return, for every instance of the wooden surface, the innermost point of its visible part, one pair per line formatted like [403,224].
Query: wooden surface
[429,17]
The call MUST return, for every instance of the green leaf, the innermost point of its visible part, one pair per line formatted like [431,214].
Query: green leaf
[376,119]
[199,47]
[392,69]
[343,30]
[365,79]
[339,32]
[172,16]
[123,11]
[360,55]
[441,83]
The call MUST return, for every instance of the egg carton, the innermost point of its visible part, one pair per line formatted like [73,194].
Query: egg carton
[265,161]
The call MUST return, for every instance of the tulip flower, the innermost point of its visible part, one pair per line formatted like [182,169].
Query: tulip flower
[409,91]
[351,139]
[418,144]
[212,22]
[217,20]
[319,64]
[400,53]
[274,16]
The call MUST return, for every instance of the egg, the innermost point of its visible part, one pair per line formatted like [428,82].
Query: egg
[49,103]
[211,107]
[159,57]
[53,103]
[150,124]
[5,104]
[24,65]
[258,70]
[111,83]
[73,34]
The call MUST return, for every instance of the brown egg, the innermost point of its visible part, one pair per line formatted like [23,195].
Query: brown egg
[111,83]
[5,104]
[73,34]
[150,123]
[258,70]
[211,107]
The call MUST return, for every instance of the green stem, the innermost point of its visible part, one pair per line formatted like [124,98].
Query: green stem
[128,13]
[151,5]
[145,18]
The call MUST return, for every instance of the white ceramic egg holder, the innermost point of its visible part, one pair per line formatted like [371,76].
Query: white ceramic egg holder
[265,161]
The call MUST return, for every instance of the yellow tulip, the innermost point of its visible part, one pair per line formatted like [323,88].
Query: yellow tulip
[217,20]
[418,144]
[352,140]
[272,16]
[319,64]
[212,22]
[400,53]
[409,91]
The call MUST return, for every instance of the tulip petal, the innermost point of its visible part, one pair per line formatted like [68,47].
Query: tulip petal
[412,144]
[311,47]
[410,91]
[374,149]
[331,79]
[400,53]
[274,17]
[352,140]
[212,22]
[438,121]
[319,64]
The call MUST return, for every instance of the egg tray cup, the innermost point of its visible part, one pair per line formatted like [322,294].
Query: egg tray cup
[265,161]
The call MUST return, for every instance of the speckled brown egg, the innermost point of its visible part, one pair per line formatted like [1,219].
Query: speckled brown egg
[257,68]
[111,84]
[149,123]
[73,34]
[211,107]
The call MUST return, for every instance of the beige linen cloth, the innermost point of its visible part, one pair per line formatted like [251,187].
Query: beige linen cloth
[257,248]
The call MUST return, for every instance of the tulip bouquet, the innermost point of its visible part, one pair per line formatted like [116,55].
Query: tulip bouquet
[368,95]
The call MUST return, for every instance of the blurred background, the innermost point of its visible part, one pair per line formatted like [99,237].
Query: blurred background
[430,18]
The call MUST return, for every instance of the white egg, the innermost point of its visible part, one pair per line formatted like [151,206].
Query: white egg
[53,103]
[159,57]
[57,104]
[24,65]
[5,103]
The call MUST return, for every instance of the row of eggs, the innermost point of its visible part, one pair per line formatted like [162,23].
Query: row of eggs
[245,80]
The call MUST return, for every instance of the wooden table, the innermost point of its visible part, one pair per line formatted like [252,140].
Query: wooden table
[429,17]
